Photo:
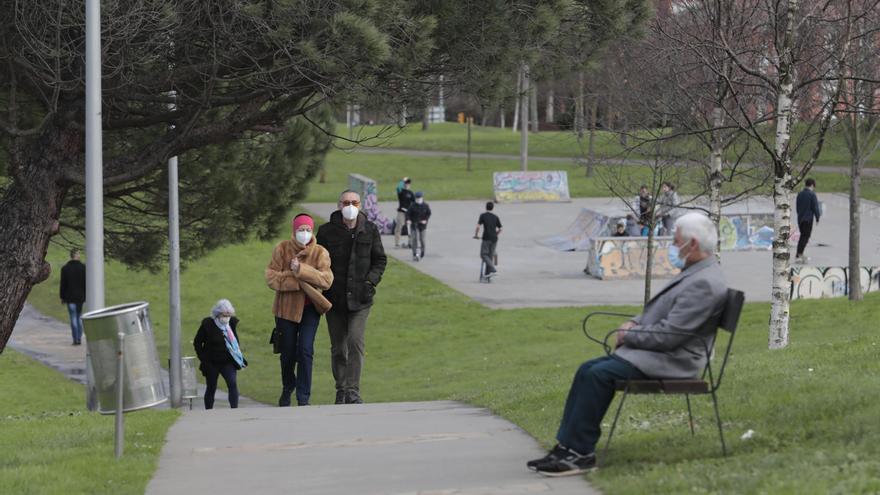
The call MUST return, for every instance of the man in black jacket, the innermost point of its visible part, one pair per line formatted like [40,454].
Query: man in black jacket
[357,260]
[417,222]
[73,293]
[807,204]
[405,198]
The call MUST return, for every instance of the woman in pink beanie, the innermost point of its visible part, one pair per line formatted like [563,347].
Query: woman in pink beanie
[298,272]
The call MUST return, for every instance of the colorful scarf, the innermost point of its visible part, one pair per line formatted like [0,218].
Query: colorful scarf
[231,343]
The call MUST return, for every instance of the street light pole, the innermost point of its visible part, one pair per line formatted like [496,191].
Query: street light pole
[94,178]
[174,367]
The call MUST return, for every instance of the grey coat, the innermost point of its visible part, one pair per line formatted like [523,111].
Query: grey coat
[691,303]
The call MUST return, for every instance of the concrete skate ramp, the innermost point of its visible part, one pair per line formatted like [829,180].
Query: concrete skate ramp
[589,223]
[369,191]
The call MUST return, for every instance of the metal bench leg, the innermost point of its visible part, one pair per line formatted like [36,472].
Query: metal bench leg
[718,419]
[690,414]
[614,424]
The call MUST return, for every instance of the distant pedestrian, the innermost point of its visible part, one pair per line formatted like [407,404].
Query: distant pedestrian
[668,201]
[417,223]
[807,204]
[405,198]
[298,271]
[643,205]
[358,261]
[73,293]
[491,225]
[217,347]
[620,228]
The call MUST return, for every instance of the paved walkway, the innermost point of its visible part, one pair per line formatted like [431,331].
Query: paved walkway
[866,172]
[436,448]
[426,448]
[48,341]
[532,275]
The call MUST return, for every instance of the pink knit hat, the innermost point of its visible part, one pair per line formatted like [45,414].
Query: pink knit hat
[303,219]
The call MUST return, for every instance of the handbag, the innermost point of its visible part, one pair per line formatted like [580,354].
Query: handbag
[275,340]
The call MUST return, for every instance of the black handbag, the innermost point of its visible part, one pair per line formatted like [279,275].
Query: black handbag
[275,340]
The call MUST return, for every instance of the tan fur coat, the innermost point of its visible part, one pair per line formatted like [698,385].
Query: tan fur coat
[292,288]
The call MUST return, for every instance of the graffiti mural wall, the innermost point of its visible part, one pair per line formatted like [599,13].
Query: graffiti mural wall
[814,282]
[369,192]
[512,187]
[616,258]
[746,232]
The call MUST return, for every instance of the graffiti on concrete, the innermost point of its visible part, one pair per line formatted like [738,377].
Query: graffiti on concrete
[615,258]
[369,192]
[530,186]
[813,282]
[746,232]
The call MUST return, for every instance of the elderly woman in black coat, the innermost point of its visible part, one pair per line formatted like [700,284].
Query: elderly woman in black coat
[217,346]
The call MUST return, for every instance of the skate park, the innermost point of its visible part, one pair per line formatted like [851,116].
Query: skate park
[534,275]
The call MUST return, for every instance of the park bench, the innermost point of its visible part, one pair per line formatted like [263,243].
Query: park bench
[707,384]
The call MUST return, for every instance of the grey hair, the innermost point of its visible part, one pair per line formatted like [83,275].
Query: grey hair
[699,227]
[343,193]
[222,306]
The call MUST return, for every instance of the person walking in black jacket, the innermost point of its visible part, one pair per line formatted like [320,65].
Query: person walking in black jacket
[417,223]
[405,199]
[73,293]
[216,345]
[357,260]
[807,205]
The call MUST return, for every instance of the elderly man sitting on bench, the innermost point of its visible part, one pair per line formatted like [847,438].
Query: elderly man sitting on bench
[690,303]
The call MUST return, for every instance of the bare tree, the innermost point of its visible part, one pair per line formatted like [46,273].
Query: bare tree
[860,122]
[793,53]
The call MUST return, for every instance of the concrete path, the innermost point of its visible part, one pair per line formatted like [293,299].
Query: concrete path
[49,341]
[866,172]
[532,275]
[437,448]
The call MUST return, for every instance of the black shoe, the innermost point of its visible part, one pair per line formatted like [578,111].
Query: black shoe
[284,400]
[303,404]
[568,465]
[340,397]
[555,453]
[353,398]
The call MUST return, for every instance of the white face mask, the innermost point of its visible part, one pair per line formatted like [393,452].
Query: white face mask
[420,200]
[350,212]
[224,320]
[303,236]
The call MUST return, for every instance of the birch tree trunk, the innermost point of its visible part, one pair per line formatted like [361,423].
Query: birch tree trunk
[533,106]
[501,116]
[548,115]
[780,294]
[524,120]
[517,105]
[716,162]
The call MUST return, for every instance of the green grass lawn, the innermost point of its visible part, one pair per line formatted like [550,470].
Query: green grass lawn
[50,444]
[816,431]
[444,178]
[449,136]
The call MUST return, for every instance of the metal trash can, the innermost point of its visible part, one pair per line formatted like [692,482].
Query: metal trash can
[190,384]
[142,383]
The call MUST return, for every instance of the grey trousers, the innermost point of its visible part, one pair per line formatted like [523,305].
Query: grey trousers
[487,253]
[417,240]
[398,227]
[347,346]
